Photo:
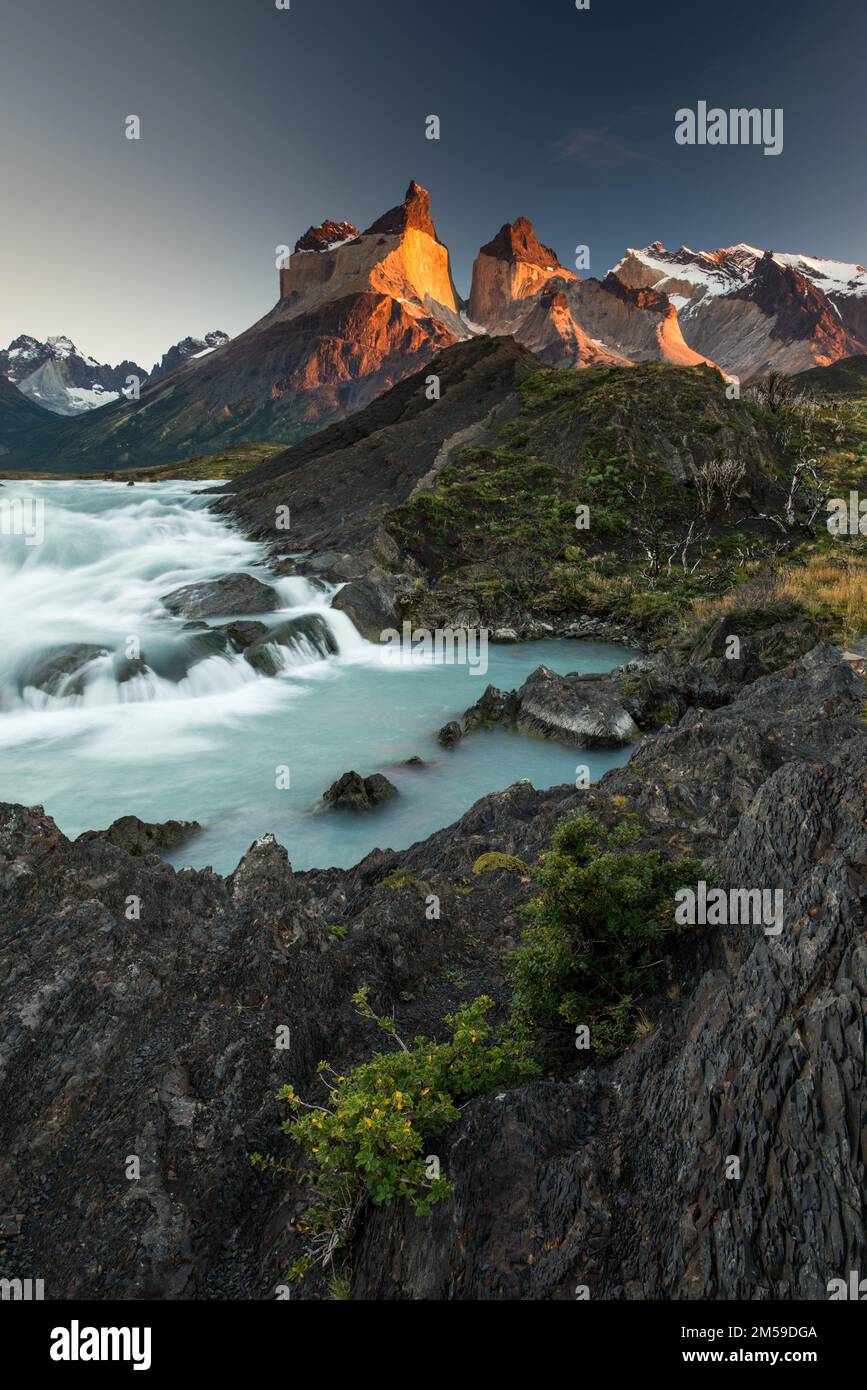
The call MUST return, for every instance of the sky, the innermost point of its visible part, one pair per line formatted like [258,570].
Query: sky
[257,122]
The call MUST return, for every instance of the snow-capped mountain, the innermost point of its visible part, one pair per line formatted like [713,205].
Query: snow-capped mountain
[356,313]
[188,347]
[359,311]
[63,380]
[753,310]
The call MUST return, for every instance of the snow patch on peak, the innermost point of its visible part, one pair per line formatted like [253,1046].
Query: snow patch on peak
[62,346]
[831,277]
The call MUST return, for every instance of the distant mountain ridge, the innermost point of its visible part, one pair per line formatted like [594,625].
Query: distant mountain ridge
[60,378]
[359,312]
[753,310]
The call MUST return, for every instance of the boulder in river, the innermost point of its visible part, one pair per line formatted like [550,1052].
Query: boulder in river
[587,711]
[308,634]
[243,634]
[450,734]
[213,598]
[352,792]
[583,710]
[60,670]
[372,604]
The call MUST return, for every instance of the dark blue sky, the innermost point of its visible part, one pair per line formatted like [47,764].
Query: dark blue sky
[257,122]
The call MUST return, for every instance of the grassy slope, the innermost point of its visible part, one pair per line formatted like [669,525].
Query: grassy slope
[497,532]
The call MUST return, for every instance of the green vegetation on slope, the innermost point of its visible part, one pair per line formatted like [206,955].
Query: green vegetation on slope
[690,494]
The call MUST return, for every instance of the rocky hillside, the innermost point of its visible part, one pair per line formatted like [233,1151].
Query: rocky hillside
[340,481]
[141,1007]
[19,417]
[467,508]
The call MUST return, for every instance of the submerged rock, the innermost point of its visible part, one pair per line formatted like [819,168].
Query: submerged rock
[214,598]
[352,792]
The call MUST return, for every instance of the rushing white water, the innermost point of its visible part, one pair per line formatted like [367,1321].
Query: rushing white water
[192,734]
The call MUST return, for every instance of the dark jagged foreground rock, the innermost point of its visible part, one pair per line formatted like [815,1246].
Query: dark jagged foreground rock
[153,1035]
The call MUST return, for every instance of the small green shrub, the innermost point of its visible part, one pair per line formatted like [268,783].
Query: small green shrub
[598,932]
[367,1139]
[398,878]
[492,861]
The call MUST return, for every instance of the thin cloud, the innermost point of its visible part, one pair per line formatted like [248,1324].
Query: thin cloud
[597,149]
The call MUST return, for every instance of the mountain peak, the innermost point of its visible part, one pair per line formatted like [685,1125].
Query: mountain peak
[413,212]
[517,241]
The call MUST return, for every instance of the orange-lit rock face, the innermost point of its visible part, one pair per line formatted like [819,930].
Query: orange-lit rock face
[410,266]
[400,255]
[512,267]
[366,307]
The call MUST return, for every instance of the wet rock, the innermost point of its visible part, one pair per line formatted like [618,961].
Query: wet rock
[173,659]
[491,708]
[243,634]
[352,792]
[61,670]
[143,837]
[372,604]
[127,668]
[308,634]
[450,734]
[233,593]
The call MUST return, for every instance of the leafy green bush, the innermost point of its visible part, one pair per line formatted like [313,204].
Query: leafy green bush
[367,1139]
[598,932]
